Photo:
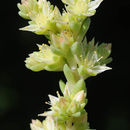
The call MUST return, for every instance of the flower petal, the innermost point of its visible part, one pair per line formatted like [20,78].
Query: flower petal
[99,69]
[94,4]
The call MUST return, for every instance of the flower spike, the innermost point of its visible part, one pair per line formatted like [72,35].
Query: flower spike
[68,51]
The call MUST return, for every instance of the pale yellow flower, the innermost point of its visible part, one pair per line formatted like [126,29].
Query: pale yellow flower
[44,59]
[82,7]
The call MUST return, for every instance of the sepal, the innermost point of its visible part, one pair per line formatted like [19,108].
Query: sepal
[62,86]
[83,30]
[68,74]
[80,85]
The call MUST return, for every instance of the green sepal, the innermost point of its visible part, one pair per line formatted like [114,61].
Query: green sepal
[80,49]
[68,74]
[107,61]
[82,72]
[62,86]
[84,29]
[80,85]
[22,8]
[77,114]
[74,24]
[36,68]
[75,48]
[104,50]
[57,51]
[53,67]
[64,47]
[23,15]
[83,104]
[57,66]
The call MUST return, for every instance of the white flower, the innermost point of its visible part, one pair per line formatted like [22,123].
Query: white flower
[82,7]
[44,59]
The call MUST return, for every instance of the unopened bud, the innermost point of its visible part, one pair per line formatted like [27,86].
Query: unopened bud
[80,96]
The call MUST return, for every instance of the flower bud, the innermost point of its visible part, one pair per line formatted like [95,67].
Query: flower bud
[80,96]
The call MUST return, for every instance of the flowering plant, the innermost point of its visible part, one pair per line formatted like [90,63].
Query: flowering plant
[68,51]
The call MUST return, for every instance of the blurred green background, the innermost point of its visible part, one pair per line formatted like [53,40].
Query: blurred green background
[23,93]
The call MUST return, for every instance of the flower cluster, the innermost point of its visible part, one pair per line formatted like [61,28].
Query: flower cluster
[91,59]
[68,51]
[44,59]
[82,7]
[42,16]
[50,123]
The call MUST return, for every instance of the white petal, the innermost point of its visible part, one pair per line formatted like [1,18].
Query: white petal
[50,123]
[45,8]
[53,99]
[94,4]
[100,69]
[67,91]
[48,113]
[31,28]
